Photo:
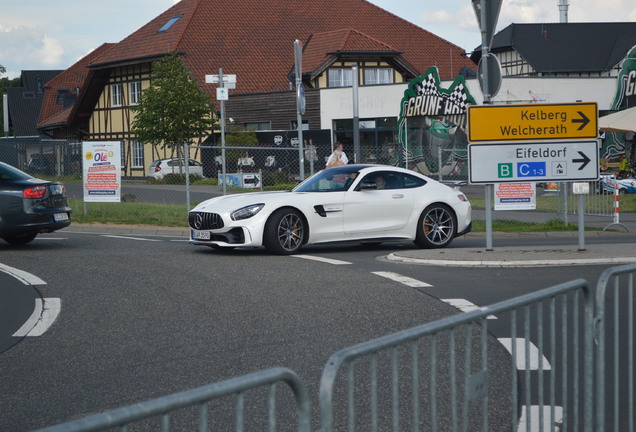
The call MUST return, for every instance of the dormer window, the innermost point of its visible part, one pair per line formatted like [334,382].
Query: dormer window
[169,24]
[374,76]
[340,77]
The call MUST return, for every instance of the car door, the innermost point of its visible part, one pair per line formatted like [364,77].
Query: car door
[378,211]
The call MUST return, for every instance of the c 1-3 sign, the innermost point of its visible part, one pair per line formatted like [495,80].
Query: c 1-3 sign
[532,122]
[547,161]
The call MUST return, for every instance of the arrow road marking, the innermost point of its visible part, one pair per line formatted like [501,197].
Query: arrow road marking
[584,120]
[45,313]
[584,161]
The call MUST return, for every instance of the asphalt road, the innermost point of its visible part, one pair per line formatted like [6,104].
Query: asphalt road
[146,316]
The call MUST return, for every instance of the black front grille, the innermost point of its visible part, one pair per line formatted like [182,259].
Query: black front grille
[205,221]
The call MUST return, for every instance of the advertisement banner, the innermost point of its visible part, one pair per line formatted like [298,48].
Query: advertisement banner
[515,196]
[101,171]
[432,126]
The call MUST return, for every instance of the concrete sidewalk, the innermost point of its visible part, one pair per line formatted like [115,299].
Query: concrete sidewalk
[558,249]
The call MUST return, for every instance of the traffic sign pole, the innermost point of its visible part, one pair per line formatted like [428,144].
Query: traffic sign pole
[298,57]
[222,103]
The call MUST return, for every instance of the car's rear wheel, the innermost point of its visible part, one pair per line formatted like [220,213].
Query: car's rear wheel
[436,227]
[284,232]
[20,239]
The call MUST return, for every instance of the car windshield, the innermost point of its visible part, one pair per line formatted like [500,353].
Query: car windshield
[7,172]
[336,179]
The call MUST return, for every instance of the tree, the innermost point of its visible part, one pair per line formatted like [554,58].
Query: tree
[173,110]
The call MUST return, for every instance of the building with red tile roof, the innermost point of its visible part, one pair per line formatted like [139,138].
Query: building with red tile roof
[253,40]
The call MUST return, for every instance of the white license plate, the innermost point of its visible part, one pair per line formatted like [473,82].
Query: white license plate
[201,235]
[60,217]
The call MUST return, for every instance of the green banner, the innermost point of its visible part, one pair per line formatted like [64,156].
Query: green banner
[432,126]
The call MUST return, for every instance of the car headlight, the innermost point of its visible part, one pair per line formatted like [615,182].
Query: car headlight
[246,212]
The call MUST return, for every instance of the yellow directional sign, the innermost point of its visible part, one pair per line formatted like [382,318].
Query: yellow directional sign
[532,122]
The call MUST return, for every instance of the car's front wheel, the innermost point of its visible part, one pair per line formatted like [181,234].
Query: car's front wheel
[284,232]
[20,239]
[436,227]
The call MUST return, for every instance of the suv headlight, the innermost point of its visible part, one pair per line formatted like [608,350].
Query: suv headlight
[246,212]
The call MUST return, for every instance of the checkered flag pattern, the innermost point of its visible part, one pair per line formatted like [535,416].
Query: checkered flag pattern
[458,96]
[428,86]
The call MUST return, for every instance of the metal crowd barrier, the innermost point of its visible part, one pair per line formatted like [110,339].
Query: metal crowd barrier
[451,374]
[164,407]
[615,300]
[465,391]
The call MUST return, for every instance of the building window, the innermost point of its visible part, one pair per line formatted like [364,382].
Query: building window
[135,92]
[340,77]
[116,94]
[378,76]
[138,155]
[294,125]
[169,24]
[257,126]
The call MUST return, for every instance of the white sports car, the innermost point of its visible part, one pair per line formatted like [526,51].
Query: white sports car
[350,203]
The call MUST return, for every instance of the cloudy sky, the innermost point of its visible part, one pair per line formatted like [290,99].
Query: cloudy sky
[45,34]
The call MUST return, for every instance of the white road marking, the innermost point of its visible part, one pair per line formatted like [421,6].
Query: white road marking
[465,306]
[321,259]
[45,313]
[521,354]
[24,277]
[403,279]
[533,418]
[130,238]
[51,238]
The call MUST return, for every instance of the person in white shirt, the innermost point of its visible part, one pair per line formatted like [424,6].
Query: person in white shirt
[338,157]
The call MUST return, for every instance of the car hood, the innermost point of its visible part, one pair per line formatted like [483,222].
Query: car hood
[229,203]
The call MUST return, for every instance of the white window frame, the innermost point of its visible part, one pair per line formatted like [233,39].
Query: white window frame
[378,75]
[135,92]
[137,154]
[339,77]
[116,94]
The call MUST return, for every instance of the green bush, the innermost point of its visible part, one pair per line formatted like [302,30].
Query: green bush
[271,178]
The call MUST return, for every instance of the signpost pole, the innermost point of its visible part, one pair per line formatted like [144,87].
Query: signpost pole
[485,47]
[582,222]
[222,102]
[356,117]
[300,110]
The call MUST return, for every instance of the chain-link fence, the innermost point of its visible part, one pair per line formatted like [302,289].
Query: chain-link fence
[260,166]
[42,157]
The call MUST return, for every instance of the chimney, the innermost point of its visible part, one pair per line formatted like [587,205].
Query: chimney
[563,10]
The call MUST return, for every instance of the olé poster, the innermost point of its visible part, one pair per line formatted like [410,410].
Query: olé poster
[101,171]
